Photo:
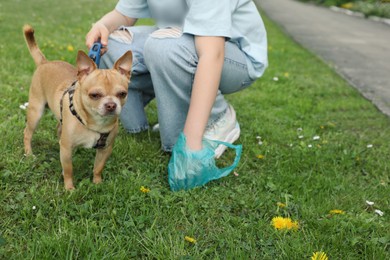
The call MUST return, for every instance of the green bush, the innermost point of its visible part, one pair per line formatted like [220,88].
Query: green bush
[372,9]
[379,8]
[330,2]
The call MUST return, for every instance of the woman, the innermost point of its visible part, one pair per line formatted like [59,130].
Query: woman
[198,51]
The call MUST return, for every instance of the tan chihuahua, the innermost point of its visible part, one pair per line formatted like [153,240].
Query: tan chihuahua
[85,100]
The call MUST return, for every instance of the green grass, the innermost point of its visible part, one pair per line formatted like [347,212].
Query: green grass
[230,218]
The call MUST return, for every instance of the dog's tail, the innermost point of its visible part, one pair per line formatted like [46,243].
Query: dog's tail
[32,45]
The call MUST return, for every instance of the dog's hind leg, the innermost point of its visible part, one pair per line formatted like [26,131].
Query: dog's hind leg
[35,110]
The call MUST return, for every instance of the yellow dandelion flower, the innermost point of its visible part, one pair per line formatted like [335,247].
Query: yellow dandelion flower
[284,223]
[190,239]
[288,223]
[144,190]
[70,48]
[278,222]
[319,256]
[281,205]
[336,211]
[291,224]
[260,156]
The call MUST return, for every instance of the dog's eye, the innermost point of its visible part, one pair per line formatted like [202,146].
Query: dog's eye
[95,96]
[122,94]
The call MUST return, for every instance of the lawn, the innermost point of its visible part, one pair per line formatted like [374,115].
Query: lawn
[311,145]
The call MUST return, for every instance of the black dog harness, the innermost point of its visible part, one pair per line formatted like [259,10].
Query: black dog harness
[101,142]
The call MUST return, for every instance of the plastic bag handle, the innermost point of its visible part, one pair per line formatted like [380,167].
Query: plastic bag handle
[238,149]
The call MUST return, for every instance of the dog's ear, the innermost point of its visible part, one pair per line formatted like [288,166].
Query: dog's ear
[124,63]
[85,65]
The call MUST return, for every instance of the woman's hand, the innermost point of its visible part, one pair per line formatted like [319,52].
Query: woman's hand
[98,32]
[106,25]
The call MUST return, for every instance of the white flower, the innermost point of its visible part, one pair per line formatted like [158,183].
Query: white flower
[369,146]
[310,146]
[379,212]
[275,78]
[300,137]
[258,137]
[316,137]
[34,208]
[24,106]
[299,129]
[370,203]
[260,143]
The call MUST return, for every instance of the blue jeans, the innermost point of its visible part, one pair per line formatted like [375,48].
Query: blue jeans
[164,68]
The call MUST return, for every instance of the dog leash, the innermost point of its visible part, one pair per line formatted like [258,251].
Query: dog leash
[101,142]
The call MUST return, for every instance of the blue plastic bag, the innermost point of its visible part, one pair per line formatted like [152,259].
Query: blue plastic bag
[188,169]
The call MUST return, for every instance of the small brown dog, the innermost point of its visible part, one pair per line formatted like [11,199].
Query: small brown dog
[85,100]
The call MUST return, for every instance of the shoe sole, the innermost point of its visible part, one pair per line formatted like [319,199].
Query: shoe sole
[230,138]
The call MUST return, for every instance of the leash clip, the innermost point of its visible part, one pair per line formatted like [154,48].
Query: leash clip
[94,52]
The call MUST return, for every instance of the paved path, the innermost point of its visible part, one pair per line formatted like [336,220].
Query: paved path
[358,48]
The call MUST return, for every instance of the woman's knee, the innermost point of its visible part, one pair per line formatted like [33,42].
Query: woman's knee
[160,51]
[114,51]
[124,39]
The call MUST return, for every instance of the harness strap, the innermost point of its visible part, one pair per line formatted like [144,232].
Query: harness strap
[101,142]
[71,91]
[71,106]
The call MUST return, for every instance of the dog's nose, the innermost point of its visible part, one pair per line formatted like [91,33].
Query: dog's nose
[110,106]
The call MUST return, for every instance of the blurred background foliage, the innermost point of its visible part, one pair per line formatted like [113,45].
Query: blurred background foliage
[379,8]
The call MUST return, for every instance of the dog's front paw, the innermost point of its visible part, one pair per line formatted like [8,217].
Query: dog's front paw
[97,179]
[69,185]
[29,155]
[69,188]
[28,152]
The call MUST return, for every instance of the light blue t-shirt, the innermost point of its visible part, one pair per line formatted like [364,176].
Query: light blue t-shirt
[237,20]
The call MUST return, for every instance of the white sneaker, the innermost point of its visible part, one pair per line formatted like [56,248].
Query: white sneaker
[226,129]
[156,128]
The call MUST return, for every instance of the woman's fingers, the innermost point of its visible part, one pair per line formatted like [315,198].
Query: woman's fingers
[97,32]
